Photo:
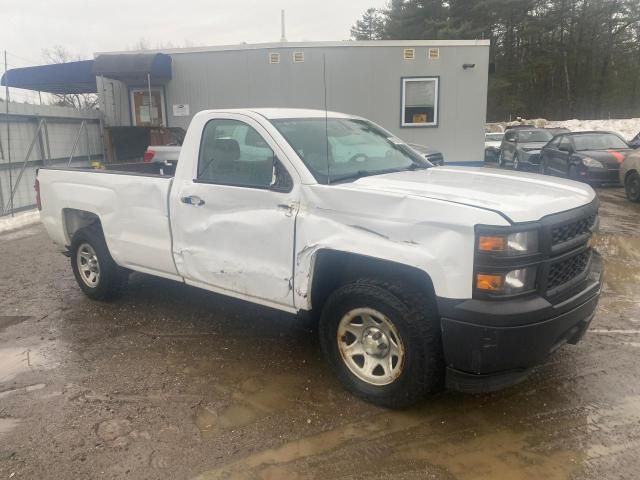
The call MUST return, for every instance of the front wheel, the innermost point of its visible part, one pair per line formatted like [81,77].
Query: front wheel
[501,160]
[543,166]
[383,344]
[516,162]
[573,172]
[632,187]
[97,274]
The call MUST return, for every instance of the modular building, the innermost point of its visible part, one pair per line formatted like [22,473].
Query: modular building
[432,93]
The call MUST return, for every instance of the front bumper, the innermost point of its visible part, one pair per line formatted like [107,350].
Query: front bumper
[530,160]
[491,344]
[600,175]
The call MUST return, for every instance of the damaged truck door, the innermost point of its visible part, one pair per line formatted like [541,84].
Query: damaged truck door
[233,228]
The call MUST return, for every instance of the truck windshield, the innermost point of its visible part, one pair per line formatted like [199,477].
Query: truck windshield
[343,149]
[598,141]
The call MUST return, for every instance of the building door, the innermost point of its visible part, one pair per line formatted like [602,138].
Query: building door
[148,113]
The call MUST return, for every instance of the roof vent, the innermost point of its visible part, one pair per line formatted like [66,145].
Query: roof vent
[434,54]
[274,58]
[298,57]
[409,54]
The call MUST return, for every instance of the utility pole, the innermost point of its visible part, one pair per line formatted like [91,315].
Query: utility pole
[283,37]
[6,111]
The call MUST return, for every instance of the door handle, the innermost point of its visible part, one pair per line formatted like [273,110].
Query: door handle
[192,200]
[288,208]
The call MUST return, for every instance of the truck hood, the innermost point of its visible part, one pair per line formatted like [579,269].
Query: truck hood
[521,197]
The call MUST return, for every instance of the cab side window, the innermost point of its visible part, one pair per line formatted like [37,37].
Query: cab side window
[555,142]
[509,136]
[565,144]
[234,153]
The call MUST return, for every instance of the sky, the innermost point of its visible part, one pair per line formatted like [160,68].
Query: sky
[84,27]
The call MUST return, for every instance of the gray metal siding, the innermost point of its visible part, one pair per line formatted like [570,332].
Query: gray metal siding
[362,80]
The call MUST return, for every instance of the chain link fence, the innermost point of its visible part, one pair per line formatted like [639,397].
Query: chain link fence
[42,135]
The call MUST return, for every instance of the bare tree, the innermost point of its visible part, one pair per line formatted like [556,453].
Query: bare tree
[59,54]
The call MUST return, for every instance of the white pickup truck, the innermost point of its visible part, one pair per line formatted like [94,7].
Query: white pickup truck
[419,277]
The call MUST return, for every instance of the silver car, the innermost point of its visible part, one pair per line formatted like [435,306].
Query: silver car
[521,147]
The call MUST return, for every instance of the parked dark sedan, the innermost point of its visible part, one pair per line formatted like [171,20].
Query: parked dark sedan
[522,146]
[635,141]
[434,156]
[587,156]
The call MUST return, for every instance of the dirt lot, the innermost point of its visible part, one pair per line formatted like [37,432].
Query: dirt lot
[172,382]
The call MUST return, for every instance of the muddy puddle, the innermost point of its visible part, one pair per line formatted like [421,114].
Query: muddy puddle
[7,425]
[251,400]
[434,442]
[15,361]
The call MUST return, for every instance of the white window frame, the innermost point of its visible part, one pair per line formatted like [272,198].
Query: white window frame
[436,112]
[146,90]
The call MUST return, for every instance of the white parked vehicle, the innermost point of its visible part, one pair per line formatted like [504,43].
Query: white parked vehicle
[418,276]
[492,142]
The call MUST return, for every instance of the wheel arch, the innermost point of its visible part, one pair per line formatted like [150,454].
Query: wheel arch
[333,268]
[630,172]
[74,219]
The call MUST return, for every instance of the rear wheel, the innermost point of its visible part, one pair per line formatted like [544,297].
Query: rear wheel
[97,274]
[632,186]
[383,343]
[501,160]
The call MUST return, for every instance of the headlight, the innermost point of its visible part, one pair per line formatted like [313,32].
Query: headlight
[509,244]
[515,281]
[590,162]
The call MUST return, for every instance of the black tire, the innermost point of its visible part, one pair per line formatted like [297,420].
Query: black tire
[501,161]
[516,162]
[416,320]
[543,166]
[573,172]
[112,278]
[632,186]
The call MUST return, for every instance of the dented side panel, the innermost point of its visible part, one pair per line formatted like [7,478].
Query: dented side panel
[239,240]
[132,209]
[434,236]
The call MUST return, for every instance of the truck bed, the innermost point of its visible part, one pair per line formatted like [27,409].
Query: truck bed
[131,203]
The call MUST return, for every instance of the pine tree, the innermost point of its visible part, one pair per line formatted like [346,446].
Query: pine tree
[369,27]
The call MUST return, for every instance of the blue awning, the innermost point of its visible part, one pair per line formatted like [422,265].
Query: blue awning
[61,78]
[133,68]
[80,77]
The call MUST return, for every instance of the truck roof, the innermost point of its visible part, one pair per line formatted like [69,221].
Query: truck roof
[276,113]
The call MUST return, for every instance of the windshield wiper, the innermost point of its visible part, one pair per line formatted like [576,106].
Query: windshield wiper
[369,173]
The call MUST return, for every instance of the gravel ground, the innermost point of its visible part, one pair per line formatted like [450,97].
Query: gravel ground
[173,382]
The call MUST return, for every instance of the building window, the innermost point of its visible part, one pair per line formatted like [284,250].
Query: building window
[419,102]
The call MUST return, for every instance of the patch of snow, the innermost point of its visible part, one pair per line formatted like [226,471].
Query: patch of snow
[19,220]
[625,127]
